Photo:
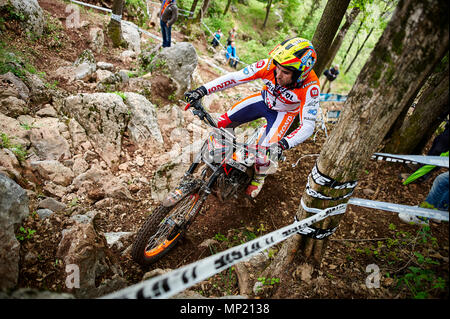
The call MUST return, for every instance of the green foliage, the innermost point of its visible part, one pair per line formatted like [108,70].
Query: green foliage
[25,233]
[220,237]
[18,149]
[269,281]
[410,261]
[14,61]
[121,94]
[137,11]
[9,13]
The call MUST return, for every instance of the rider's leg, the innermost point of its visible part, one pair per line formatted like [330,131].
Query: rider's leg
[244,111]
[278,123]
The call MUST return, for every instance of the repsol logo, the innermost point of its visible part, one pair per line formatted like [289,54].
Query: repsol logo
[221,86]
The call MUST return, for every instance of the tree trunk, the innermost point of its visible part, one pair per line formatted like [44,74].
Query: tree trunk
[269,4]
[227,7]
[326,30]
[337,42]
[203,11]
[415,40]
[193,7]
[114,26]
[315,5]
[426,117]
[353,40]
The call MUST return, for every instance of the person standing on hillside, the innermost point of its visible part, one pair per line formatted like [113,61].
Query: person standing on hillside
[331,75]
[168,15]
[291,88]
[216,38]
[231,36]
[231,55]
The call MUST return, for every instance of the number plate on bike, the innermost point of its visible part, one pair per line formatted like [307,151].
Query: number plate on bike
[236,165]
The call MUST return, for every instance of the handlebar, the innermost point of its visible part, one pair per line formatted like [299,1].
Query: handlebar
[200,111]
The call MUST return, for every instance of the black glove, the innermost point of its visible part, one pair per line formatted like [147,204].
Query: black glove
[195,95]
[276,150]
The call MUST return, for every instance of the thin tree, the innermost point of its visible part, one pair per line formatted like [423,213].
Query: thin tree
[269,4]
[415,40]
[227,7]
[309,16]
[337,42]
[359,50]
[202,11]
[114,26]
[193,7]
[355,35]
[326,30]
[385,12]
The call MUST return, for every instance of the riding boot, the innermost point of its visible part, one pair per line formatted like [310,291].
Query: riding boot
[255,185]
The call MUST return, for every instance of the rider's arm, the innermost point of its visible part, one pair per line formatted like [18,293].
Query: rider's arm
[250,73]
[308,115]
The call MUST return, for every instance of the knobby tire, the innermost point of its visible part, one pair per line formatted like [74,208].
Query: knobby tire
[165,235]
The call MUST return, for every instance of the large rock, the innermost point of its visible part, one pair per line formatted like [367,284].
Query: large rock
[16,86]
[96,39]
[12,106]
[143,122]
[181,61]
[33,16]
[82,68]
[85,65]
[78,137]
[13,210]
[83,246]
[39,93]
[9,164]
[52,204]
[47,136]
[131,35]
[104,117]
[98,183]
[15,132]
[169,174]
[54,171]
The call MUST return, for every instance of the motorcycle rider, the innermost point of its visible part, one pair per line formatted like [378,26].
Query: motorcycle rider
[291,88]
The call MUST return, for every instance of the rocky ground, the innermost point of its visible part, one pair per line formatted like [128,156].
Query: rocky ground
[91,140]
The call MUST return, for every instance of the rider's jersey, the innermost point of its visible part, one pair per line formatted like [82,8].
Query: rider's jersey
[302,100]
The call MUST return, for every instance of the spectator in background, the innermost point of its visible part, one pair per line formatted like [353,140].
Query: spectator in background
[168,15]
[231,36]
[216,38]
[231,55]
[437,198]
[331,75]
